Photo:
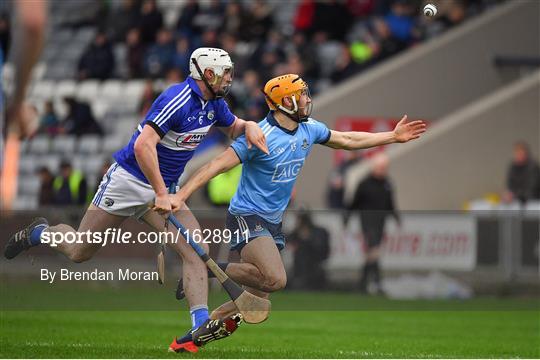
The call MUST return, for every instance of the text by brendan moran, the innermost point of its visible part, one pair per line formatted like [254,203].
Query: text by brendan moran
[97,275]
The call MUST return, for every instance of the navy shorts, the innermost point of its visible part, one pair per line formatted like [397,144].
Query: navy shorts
[246,228]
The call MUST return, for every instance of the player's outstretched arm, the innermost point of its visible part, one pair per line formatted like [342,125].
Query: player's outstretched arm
[31,19]
[251,129]
[224,162]
[355,140]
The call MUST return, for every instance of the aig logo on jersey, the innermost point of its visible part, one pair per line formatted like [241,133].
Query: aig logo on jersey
[287,171]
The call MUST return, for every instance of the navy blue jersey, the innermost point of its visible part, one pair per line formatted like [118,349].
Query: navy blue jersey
[182,118]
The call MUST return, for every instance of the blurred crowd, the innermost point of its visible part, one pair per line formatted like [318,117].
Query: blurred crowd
[324,41]
[78,121]
[521,184]
[69,187]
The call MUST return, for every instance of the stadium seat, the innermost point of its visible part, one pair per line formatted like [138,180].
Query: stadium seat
[327,54]
[134,89]
[25,203]
[85,35]
[65,88]
[64,35]
[27,164]
[128,105]
[63,145]
[39,70]
[107,123]
[111,89]
[125,126]
[71,55]
[61,69]
[171,16]
[89,144]
[120,56]
[163,4]
[38,103]
[92,182]
[39,144]
[50,161]
[61,108]
[112,143]
[92,165]
[284,13]
[77,162]
[23,149]
[87,90]
[99,108]
[29,185]
[43,89]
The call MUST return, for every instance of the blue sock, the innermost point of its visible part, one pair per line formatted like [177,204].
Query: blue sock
[199,314]
[35,234]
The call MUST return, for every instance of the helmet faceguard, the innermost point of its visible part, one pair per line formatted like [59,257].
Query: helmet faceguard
[290,85]
[219,62]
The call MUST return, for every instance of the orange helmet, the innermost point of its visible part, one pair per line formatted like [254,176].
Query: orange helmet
[283,86]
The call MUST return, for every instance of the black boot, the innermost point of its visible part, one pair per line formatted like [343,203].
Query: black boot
[20,241]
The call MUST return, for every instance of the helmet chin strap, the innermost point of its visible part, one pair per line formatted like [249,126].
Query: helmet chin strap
[306,117]
[203,78]
[293,113]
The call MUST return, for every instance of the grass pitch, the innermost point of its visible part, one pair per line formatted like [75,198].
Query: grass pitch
[365,327]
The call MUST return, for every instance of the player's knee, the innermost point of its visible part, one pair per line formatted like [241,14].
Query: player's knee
[192,260]
[80,256]
[274,282]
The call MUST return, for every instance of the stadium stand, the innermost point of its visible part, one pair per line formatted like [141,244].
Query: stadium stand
[255,33]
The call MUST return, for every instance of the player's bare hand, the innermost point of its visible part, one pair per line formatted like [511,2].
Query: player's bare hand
[255,136]
[406,131]
[162,204]
[22,119]
[178,202]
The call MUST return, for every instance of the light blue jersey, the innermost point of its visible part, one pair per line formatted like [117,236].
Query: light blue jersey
[267,181]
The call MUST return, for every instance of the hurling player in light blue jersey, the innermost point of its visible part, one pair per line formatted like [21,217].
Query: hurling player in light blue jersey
[267,180]
[155,157]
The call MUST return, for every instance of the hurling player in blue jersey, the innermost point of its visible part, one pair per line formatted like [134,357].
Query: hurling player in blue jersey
[267,180]
[155,157]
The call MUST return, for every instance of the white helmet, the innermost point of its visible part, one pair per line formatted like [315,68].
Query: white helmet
[209,58]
